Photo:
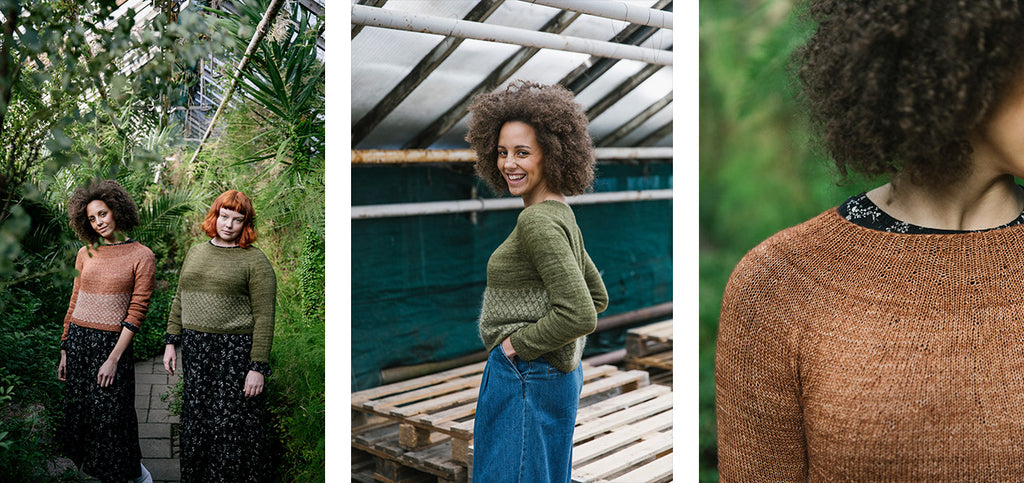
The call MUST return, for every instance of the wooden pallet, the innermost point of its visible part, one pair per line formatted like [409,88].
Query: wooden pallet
[599,383]
[426,424]
[649,339]
[394,464]
[627,438]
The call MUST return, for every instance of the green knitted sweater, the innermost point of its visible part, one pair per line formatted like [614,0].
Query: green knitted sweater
[542,288]
[226,291]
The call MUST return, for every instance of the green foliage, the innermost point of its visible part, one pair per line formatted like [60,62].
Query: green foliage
[759,170]
[286,83]
[311,275]
[297,390]
[173,397]
[64,73]
[149,341]
[29,354]
[78,119]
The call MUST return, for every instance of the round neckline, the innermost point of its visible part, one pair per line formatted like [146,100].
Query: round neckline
[218,246]
[880,218]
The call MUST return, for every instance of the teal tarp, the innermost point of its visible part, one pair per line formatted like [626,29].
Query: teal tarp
[417,282]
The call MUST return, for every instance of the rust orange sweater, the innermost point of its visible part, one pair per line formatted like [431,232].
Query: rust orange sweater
[850,354]
[113,285]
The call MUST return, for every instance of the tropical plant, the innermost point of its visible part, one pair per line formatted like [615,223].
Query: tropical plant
[65,64]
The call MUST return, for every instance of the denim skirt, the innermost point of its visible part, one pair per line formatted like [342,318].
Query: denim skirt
[525,416]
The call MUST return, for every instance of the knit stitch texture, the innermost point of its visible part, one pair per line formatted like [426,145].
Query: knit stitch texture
[850,354]
[226,291]
[543,289]
[114,285]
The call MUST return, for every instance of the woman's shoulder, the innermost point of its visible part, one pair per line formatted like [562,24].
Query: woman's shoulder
[546,213]
[785,249]
[141,248]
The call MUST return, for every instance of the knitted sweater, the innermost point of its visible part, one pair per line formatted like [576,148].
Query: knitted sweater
[226,291]
[846,353]
[112,289]
[542,288]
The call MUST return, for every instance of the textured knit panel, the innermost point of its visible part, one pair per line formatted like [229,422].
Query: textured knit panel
[226,291]
[846,353]
[114,284]
[216,313]
[542,288]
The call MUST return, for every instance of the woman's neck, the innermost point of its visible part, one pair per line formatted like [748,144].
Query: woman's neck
[977,203]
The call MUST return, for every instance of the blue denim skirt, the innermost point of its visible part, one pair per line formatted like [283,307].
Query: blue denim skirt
[525,416]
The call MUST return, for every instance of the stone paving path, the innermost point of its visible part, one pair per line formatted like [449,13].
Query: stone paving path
[159,445]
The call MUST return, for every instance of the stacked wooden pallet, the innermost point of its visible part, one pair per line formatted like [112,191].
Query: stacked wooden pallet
[422,429]
[650,348]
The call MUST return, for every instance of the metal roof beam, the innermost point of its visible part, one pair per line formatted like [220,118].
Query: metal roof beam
[448,120]
[637,120]
[657,135]
[378,17]
[614,10]
[595,67]
[418,74]
[621,90]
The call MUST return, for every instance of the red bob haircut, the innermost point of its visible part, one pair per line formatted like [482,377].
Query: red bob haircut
[234,201]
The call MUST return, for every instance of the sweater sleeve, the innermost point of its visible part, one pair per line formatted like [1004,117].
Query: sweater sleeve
[760,422]
[174,318]
[142,291]
[572,314]
[598,292]
[263,298]
[74,293]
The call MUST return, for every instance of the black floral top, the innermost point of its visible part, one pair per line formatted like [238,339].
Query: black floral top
[862,211]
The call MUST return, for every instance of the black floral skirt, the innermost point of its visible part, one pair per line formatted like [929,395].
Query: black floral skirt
[99,430]
[223,433]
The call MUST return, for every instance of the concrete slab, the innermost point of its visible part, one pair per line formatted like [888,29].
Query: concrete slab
[155,430]
[163,469]
[155,448]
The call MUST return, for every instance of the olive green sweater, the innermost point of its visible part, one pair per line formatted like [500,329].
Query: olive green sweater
[542,288]
[226,291]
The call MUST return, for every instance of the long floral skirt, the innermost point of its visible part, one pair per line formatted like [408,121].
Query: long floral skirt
[223,433]
[99,430]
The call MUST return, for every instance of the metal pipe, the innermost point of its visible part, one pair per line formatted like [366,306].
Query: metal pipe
[401,373]
[401,156]
[493,204]
[614,10]
[450,27]
[660,311]
[613,357]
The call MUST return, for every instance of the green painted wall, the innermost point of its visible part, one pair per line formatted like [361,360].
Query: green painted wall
[417,282]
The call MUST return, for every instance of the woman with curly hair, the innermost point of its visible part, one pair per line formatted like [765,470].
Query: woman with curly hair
[883,339]
[223,318]
[99,429]
[543,291]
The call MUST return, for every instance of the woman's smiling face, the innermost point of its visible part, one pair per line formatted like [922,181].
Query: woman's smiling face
[520,162]
[101,219]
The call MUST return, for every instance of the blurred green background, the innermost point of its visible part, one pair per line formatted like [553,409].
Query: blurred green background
[760,167]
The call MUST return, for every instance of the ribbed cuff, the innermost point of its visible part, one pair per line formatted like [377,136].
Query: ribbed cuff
[172,339]
[129,326]
[261,367]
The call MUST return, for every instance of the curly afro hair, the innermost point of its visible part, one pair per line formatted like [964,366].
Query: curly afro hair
[126,214]
[558,122]
[898,86]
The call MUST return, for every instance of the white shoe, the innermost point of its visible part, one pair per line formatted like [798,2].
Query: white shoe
[146,477]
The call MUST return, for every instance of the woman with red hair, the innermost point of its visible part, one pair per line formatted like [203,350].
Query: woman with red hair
[223,318]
